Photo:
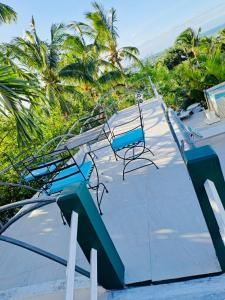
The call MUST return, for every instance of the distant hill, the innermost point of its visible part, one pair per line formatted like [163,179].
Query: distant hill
[210,32]
[211,23]
[214,30]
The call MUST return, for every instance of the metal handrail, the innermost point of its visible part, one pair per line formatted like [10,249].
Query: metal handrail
[187,135]
[185,131]
[27,202]
[39,202]
[42,252]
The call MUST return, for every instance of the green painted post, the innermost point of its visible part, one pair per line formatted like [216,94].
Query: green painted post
[202,164]
[92,233]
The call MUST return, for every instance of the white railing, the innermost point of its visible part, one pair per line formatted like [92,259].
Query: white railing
[70,271]
[216,205]
[94,275]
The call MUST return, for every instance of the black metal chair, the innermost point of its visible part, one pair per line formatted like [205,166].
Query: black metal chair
[57,169]
[126,143]
[91,131]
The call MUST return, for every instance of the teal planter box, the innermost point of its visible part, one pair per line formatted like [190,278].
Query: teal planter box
[202,164]
[92,233]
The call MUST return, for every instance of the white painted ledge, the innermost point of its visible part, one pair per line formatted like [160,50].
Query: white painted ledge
[216,205]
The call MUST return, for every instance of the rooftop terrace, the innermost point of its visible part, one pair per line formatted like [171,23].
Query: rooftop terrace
[153,218]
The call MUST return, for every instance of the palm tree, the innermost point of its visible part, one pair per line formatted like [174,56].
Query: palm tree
[103,28]
[188,40]
[220,40]
[215,67]
[84,66]
[42,59]
[206,45]
[7,14]
[17,97]
[17,93]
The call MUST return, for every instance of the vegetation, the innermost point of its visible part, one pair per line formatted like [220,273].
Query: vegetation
[193,64]
[7,14]
[45,86]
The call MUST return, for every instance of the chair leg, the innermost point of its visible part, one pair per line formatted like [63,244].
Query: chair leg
[104,187]
[115,156]
[95,155]
[98,201]
[124,168]
[139,158]
[149,150]
[96,187]
[92,151]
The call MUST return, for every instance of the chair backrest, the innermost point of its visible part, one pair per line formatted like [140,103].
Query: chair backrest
[97,118]
[93,121]
[113,132]
[140,112]
[60,159]
[16,163]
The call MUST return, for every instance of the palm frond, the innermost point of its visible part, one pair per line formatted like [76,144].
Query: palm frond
[79,71]
[130,49]
[14,93]
[82,29]
[34,32]
[110,78]
[74,44]
[58,35]
[125,53]
[7,14]
[112,19]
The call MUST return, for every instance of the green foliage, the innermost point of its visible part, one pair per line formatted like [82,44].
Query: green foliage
[193,64]
[46,86]
[174,57]
[15,95]
[7,14]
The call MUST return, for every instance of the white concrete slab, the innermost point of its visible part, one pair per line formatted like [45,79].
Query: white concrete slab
[160,209]
[153,217]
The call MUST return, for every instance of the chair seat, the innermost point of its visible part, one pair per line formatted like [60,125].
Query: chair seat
[58,185]
[127,139]
[39,172]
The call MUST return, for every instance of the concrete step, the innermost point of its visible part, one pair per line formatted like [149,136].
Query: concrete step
[210,288]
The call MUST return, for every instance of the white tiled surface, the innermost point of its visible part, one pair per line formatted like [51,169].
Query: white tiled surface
[153,218]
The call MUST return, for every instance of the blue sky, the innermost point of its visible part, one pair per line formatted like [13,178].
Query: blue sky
[147,24]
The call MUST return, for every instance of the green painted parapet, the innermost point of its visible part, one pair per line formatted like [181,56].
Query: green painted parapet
[202,164]
[92,233]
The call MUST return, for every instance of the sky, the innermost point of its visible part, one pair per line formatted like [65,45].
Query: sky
[150,25]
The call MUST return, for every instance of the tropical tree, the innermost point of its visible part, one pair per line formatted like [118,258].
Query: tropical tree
[220,40]
[7,14]
[173,57]
[215,67]
[188,40]
[104,31]
[84,65]
[17,95]
[42,59]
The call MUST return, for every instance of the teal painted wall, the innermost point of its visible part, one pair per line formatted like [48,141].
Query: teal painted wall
[92,233]
[202,164]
